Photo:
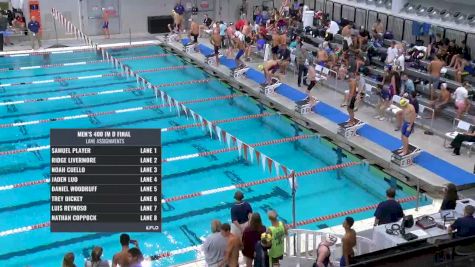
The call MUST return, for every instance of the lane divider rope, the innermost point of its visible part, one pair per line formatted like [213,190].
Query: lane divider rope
[108,92]
[97,114]
[183,157]
[80,63]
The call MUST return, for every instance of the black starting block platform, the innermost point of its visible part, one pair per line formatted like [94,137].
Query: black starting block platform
[349,131]
[191,48]
[305,106]
[269,89]
[407,160]
[239,72]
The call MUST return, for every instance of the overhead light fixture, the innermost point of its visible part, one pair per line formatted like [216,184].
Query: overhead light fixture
[370,2]
[380,3]
[433,12]
[445,15]
[409,8]
[471,20]
[421,10]
[459,17]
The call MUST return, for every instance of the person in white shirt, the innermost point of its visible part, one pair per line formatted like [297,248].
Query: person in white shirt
[333,27]
[392,53]
[400,60]
[461,99]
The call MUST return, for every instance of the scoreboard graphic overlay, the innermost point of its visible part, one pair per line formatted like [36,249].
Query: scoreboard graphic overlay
[105,180]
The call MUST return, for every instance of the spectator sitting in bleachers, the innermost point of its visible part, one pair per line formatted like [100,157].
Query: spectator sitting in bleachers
[407,84]
[363,37]
[433,47]
[452,50]
[346,33]
[434,68]
[322,57]
[442,101]
[332,29]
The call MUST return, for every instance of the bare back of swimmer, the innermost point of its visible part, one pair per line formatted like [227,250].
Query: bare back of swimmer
[270,69]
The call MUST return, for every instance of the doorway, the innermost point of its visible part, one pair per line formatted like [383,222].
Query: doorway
[92,16]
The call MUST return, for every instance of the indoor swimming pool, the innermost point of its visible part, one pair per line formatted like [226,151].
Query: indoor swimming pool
[80,90]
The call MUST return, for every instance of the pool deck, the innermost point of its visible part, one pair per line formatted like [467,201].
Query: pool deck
[375,153]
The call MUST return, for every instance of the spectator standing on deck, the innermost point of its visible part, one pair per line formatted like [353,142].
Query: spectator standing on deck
[240,214]
[434,68]
[135,257]
[348,241]
[450,197]
[96,259]
[34,27]
[122,258]
[105,23]
[389,211]
[301,55]
[215,244]
[68,260]
[252,235]
[231,257]
[278,231]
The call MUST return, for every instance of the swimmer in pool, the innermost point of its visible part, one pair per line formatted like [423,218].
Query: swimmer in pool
[409,114]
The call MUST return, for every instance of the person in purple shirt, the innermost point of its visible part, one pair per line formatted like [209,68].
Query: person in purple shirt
[240,213]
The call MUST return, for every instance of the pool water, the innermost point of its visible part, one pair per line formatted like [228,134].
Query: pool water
[185,222]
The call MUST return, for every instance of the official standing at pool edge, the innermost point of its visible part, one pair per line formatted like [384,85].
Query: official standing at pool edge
[34,27]
[240,214]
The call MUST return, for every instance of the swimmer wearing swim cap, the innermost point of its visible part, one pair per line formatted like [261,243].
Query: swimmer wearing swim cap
[409,115]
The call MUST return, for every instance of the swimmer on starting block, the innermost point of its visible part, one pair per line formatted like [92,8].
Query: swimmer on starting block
[312,78]
[409,114]
[270,70]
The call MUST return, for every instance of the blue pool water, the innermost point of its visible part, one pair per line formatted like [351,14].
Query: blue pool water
[187,221]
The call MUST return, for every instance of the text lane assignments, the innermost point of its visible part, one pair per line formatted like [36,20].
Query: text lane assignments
[105,180]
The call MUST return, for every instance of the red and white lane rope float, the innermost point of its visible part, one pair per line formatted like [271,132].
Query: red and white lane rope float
[173,128]
[81,63]
[108,92]
[301,223]
[183,157]
[97,76]
[110,112]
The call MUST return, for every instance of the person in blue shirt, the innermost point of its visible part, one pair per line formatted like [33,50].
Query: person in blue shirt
[389,211]
[34,28]
[465,226]
[240,213]
[408,84]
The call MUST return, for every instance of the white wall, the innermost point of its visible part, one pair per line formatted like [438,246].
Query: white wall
[133,13]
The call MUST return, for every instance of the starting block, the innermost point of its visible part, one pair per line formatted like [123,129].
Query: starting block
[269,89]
[210,60]
[304,106]
[190,48]
[407,160]
[349,131]
[172,38]
[239,72]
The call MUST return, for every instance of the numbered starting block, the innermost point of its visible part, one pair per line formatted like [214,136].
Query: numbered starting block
[239,72]
[407,160]
[305,106]
[191,48]
[269,89]
[172,38]
[210,60]
[349,131]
